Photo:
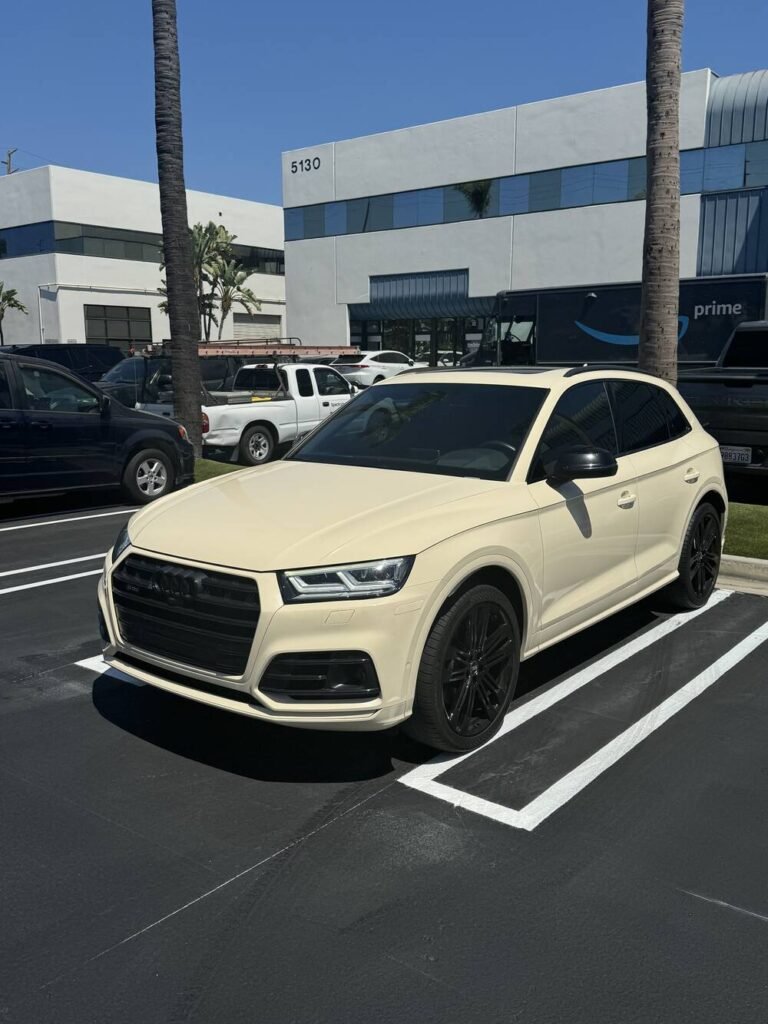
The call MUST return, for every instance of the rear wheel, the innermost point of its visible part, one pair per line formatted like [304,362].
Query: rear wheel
[377,379]
[148,476]
[257,445]
[468,672]
[699,561]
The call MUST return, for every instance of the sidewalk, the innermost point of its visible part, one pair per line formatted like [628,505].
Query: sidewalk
[749,575]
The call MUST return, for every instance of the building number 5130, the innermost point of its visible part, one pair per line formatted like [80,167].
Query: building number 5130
[305,165]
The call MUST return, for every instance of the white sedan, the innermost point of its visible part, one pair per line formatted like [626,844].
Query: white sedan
[367,368]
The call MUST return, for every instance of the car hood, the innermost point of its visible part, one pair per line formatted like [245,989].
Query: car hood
[294,514]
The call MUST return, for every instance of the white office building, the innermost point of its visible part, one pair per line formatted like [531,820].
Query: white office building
[403,240]
[83,251]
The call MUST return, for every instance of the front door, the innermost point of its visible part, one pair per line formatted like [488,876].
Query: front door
[333,389]
[12,441]
[68,439]
[588,527]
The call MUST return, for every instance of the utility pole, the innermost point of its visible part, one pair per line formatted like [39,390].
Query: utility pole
[8,162]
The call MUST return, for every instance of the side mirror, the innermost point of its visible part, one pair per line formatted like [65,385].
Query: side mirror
[105,405]
[410,362]
[164,381]
[581,462]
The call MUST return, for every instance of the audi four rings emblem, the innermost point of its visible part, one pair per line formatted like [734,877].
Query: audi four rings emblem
[178,585]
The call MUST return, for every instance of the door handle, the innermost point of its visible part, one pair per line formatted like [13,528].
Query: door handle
[626,499]
[7,426]
[691,475]
[326,404]
[40,424]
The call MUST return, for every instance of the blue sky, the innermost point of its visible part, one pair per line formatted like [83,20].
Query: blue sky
[261,78]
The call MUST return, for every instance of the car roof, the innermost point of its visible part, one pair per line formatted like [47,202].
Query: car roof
[558,378]
[19,357]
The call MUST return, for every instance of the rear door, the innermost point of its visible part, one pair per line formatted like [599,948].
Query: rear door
[13,476]
[333,389]
[653,431]
[68,439]
[588,527]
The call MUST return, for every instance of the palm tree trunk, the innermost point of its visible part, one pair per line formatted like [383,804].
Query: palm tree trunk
[661,248]
[177,245]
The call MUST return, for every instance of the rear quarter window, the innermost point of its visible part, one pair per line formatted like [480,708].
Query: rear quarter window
[640,415]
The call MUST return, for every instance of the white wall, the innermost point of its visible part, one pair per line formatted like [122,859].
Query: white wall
[25,197]
[313,312]
[25,274]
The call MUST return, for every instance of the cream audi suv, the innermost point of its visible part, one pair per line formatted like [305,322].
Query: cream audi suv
[404,558]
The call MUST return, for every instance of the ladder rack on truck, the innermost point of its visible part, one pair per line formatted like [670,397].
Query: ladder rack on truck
[284,349]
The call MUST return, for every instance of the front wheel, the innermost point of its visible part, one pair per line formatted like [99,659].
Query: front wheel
[468,672]
[148,476]
[699,560]
[257,446]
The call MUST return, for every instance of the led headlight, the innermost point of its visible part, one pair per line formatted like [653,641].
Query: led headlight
[343,582]
[123,541]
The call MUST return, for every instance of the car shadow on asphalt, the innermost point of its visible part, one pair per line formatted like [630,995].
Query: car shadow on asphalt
[257,750]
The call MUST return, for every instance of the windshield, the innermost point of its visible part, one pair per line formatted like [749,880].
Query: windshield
[132,369]
[748,349]
[452,429]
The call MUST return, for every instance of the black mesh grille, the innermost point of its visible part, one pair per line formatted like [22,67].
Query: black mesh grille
[200,618]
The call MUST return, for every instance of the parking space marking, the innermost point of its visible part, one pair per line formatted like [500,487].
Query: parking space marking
[424,777]
[99,666]
[48,583]
[52,565]
[73,519]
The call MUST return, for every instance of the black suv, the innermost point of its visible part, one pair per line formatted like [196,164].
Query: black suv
[90,360]
[59,433]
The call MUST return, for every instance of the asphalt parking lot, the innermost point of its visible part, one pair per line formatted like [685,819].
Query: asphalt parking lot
[603,860]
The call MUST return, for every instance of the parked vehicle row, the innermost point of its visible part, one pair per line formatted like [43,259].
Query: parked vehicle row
[407,555]
[60,433]
[90,361]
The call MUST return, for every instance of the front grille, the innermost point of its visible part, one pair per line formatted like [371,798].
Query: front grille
[200,618]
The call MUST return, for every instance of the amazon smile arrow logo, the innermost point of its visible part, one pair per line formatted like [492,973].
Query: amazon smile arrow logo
[627,339]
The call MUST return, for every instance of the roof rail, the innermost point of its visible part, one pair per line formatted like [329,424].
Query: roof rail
[574,371]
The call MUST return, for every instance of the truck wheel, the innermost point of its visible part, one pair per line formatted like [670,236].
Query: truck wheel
[699,560]
[468,672]
[257,445]
[148,476]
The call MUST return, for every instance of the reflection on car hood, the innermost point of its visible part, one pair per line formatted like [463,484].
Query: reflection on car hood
[297,514]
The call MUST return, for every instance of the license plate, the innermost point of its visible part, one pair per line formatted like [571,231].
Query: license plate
[739,455]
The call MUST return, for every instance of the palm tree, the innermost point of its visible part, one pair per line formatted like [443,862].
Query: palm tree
[183,310]
[211,246]
[661,248]
[9,300]
[478,196]
[231,290]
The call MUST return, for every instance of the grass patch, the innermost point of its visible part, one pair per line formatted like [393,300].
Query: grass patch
[206,469]
[747,532]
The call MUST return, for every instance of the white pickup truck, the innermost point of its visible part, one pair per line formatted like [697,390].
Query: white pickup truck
[271,405]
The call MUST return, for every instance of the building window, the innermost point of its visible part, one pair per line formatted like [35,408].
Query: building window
[545,190]
[724,168]
[118,325]
[756,164]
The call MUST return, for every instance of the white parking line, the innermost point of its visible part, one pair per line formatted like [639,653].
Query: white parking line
[73,519]
[99,666]
[424,777]
[52,565]
[48,583]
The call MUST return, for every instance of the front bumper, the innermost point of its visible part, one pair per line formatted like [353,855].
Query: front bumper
[384,628]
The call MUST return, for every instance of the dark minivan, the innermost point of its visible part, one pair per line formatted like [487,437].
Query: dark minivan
[59,433]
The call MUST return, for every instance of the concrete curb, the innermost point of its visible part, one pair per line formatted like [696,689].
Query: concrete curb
[737,567]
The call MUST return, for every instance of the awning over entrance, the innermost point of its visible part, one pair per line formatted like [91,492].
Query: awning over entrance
[409,296]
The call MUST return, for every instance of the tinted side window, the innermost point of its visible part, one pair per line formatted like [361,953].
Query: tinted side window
[641,418]
[6,401]
[330,383]
[582,416]
[53,392]
[748,348]
[677,423]
[304,383]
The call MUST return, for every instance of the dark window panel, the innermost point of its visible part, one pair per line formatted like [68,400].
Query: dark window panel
[294,224]
[577,186]
[637,175]
[64,230]
[471,200]
[141,331]
[357,215]
[724,168]
[611,181]
[756,164]
[139,313]
[335,218]
[405,209]
[514,194]
[691,171]
[545,190]
[95,330]
[379,214]
[314,221]
[430,206]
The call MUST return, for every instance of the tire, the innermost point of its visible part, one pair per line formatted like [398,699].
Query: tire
[149,475]
[257,445]
[699,560]
[452,709]
[377,379]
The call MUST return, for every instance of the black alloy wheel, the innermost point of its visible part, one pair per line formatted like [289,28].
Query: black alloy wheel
[699,561]
[468,672]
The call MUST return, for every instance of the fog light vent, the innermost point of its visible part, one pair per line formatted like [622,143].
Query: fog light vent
[322,675]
